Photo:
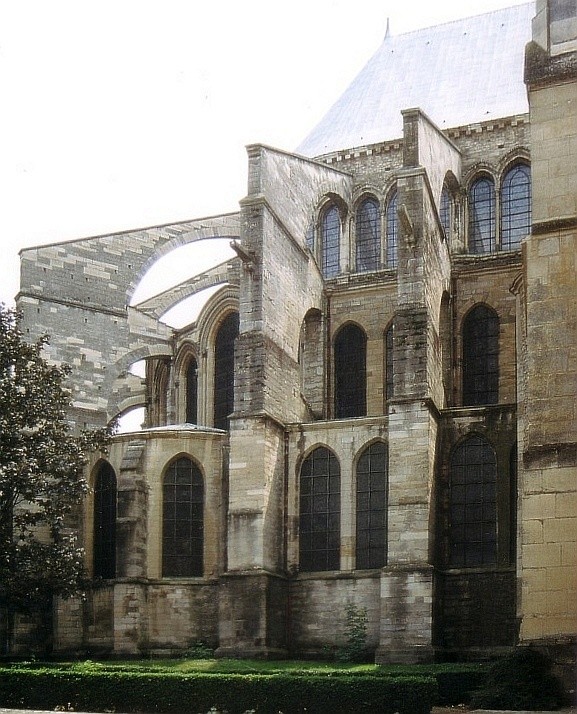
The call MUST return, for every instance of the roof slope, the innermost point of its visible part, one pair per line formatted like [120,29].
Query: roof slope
[458,73]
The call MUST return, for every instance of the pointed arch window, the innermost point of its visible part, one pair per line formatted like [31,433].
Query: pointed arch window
[224,370]
[446,212]
[182,520]
[515,206]
[350,372]
[104,548]
[330,241]
[320,511]
[372,491]
[482,216]
[392,231]
[480,357]
[368,234]
[192,391]
[473,504]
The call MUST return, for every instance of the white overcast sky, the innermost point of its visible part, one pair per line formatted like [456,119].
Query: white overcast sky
[120,114]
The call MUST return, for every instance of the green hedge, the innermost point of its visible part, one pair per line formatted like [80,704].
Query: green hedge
[198,693]
[456,682]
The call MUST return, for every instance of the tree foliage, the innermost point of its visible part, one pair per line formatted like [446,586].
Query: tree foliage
[41,474]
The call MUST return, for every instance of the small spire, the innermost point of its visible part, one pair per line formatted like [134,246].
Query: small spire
[387,31]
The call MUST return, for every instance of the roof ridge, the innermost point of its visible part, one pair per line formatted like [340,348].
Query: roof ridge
[390,34]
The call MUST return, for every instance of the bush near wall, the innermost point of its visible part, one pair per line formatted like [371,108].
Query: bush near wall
[234,693]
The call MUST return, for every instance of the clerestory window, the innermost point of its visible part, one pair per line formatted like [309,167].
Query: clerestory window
[446,212]
[224,370]
[330,242]
[515,206]
[482,216]
[392,231]
[368,236]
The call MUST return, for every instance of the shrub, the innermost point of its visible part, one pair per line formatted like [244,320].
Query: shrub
[520,681]
[234,693]
[355,649]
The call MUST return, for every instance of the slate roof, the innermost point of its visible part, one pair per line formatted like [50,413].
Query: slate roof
[459,73]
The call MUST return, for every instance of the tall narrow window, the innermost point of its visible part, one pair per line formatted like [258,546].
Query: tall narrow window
[389,362]
[182,520]
[480,357]
[473,509]
[330,242]
[445,212]
[320,512]
[515,206]
[482,216]
[192,391]
[350,372]
[392,231]
[224,370]
[372,488]
[368,232]
[104,554]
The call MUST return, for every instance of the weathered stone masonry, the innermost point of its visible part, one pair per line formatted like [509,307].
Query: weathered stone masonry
[459,576]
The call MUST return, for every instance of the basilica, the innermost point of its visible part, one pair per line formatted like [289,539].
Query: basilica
[369,400]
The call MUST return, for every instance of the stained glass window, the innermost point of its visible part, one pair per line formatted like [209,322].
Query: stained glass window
[104,555]
[183,520]
[515,207]
[480,357]
[445,212]
[331,238]
[224,370]
[372,489]
[320,512]
[482,216]
[473,507]
[392,231]
[350,372]
[368,230]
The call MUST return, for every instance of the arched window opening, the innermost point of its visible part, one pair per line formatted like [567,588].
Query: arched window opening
[473,505]
[372,491]
[480,357]
[312,361]
[320,512]
[224,370]
[368,234]
[330,242]
[182,520]
[482,216]
[192,391]
[104,548]
[157,414]
[389,362]
[392,231]
[515,207]
[350,372]
[446,212]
